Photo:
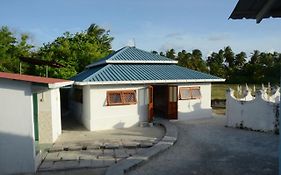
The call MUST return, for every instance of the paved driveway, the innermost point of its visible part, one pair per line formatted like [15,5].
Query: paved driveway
[207,147]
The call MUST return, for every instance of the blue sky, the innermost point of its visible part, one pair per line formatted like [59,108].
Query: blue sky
[154,24]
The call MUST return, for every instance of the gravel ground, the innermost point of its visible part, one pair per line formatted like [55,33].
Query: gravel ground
[207,147]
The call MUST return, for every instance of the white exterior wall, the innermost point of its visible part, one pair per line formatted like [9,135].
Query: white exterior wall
[17,151]
[95,115]
[44,116]
[56,113]
[101,117]
[257,114]
[86,107]
[196,108]
[49,114]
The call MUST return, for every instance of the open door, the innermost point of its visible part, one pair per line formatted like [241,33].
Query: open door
[150,104]
[173,102]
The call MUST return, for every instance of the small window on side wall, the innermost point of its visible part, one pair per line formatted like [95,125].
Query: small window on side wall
[114,98]
[188,93]
[129,97]
[121,97]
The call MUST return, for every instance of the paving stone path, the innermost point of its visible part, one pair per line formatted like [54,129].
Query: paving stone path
[92,156]
[72,151]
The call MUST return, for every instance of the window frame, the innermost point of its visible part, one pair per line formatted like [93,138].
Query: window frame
[189,89]
[121,92]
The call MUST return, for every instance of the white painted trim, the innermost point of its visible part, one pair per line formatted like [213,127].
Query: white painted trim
[96,64]
[131,62]
[61,84]
[140,61]
[148,82]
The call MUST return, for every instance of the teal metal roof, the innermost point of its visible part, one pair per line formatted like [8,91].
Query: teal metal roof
[133,55]
[141,72]
[132,65]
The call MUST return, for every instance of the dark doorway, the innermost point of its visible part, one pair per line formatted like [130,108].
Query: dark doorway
[165,101]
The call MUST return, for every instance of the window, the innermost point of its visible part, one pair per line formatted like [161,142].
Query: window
[114,98]
[187,93]
[173,94]
[129,97]
[121,97]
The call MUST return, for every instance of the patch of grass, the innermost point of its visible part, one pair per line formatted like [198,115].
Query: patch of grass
[219,89]
[219,111]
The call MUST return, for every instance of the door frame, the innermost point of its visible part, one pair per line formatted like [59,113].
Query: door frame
[150,104]
[172,92]
[35,116]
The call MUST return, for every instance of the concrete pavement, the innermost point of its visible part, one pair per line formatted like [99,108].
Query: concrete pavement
[206,147]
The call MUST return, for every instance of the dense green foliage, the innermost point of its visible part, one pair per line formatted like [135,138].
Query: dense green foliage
[261,67]
[75,51]
[11,48]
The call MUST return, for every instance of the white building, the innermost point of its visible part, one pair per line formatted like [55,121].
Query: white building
[132,86]
[29,116]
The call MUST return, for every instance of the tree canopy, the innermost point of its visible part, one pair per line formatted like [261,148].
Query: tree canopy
[11,48]
[260,67]
[76,50]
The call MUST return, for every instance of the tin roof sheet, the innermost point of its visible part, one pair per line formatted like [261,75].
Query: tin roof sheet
[52,82]
[256,9]
[140,72]
[133,55]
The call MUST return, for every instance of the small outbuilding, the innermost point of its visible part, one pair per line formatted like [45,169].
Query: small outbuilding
[131,86]
[30,119]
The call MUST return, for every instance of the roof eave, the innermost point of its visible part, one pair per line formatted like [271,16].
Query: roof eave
[149,82]
[60,84]
[258,15]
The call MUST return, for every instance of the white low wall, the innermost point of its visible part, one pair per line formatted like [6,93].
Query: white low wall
[97,115]
[196,108]
[256,114]
[17,151]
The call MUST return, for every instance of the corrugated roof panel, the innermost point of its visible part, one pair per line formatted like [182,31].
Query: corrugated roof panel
[31,78]
[249,9]
[141,72]
[137,54]
[132,55]
[133,73]
[86,73]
